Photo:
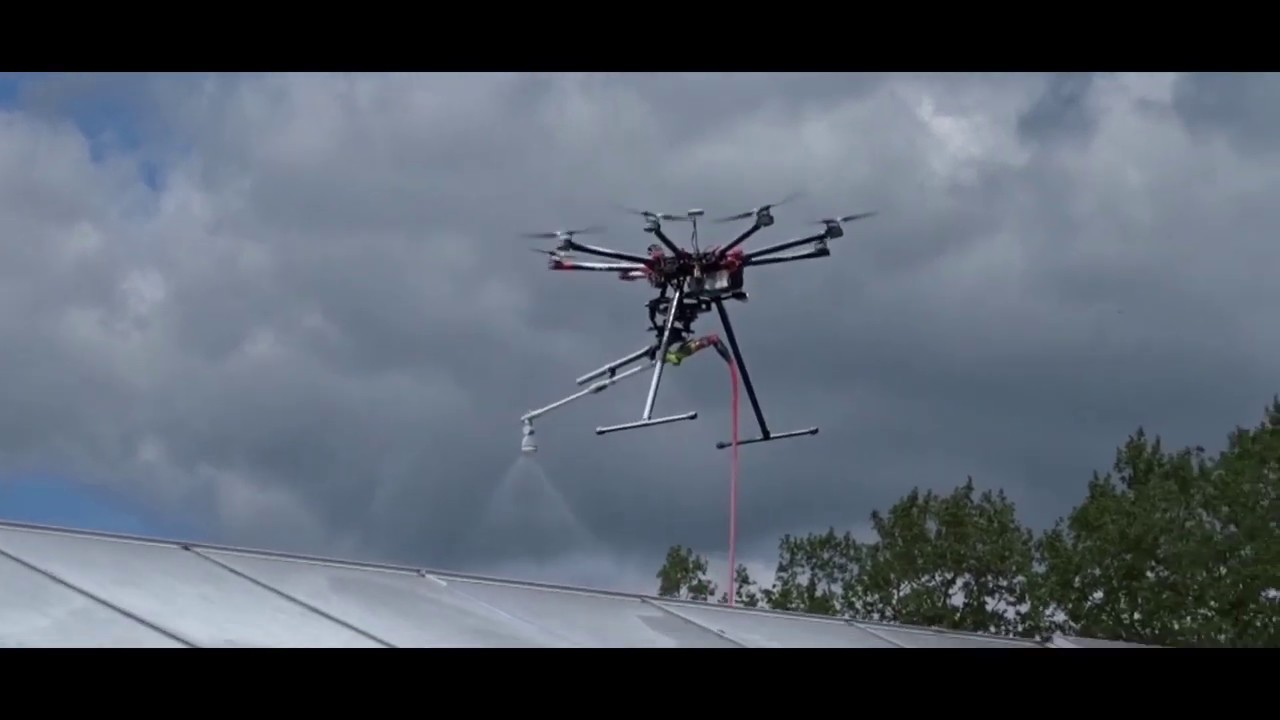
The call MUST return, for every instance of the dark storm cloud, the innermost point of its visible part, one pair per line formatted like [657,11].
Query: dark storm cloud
[325,327]
[1062,111]
[1243,107]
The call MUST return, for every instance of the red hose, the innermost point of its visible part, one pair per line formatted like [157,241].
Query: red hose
[733,481]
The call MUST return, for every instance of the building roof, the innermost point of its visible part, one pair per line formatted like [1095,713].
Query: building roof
[61,587]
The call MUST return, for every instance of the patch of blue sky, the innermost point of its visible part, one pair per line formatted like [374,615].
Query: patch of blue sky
[66,503]
[109,116]
[10,90]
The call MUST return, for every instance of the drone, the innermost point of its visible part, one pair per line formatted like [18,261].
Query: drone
[690,282]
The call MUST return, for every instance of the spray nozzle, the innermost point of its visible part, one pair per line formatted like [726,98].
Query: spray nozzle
[527,444]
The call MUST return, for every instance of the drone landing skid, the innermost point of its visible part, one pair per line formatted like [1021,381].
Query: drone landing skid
[765,434]
[647,419]
[646,423]
[773,436]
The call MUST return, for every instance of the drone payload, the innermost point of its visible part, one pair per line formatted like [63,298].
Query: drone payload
[689,283]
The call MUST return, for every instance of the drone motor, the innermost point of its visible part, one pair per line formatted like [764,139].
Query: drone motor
[835,226]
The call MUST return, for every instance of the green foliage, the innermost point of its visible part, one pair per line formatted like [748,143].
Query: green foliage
[953,561]
[813,573]
[745,591]
[1169,548]
[1173,548]
[948,561]
[684,575]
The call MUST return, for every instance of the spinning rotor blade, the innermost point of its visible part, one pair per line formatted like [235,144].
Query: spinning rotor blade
[845,219]
[552,253]
[756,211]
[558,234]
[656,215]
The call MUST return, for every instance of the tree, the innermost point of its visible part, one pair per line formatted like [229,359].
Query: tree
[813,573]
[943,561]
[1174,548]
[1169,548]
[684,575]
[951,562]
[745,591]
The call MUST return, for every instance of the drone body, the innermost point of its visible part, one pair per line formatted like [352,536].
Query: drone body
[689,283]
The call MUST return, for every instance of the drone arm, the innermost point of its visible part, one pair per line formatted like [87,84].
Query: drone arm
[740,239]
[662,238]
[819,253]
[605,252]
[647,419]
[786,245]
[596,266]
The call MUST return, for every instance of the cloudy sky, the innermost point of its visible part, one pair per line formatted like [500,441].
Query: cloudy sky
[295,311]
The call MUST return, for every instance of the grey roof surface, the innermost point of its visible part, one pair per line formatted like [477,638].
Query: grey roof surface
[72,588]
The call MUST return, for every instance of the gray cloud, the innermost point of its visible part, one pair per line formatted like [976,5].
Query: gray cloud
[322,329]
[1062,111]
[1242,107]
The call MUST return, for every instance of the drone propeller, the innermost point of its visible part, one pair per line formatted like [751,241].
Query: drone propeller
[556,254]
[562,234]
[756,211]
[656,216]
[845,219]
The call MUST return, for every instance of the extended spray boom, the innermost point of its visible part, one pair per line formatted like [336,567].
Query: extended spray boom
[676,353]
[527,443]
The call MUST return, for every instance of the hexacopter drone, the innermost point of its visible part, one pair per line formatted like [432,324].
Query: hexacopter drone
[689,283]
